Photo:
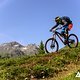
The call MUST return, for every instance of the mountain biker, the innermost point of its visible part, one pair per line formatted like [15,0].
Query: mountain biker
[65,22]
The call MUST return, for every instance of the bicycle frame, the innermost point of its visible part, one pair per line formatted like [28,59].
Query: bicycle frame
[58,35]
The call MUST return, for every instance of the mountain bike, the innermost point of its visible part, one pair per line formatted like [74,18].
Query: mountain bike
[52,45]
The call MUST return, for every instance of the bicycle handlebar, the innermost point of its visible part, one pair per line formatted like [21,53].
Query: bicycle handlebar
[54,30]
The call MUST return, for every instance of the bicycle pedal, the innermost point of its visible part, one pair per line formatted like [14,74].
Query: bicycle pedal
[65,42]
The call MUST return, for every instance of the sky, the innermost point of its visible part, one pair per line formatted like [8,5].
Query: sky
[29,21]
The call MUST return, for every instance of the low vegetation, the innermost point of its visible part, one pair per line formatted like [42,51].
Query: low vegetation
[63,65]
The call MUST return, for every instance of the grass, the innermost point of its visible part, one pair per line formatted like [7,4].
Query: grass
[48,66]
[72,77]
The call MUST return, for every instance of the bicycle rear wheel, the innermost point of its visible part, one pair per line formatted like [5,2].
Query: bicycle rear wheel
[51,45]
[72,41]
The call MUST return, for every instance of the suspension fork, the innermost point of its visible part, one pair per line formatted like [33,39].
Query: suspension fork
[54,37]
[53,41]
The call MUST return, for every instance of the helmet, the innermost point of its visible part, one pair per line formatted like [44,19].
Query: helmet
[58,19]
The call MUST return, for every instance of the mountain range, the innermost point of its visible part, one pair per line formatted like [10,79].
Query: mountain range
[13,49]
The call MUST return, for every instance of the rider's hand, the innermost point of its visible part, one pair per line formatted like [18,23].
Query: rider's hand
[53,29]
[50,30]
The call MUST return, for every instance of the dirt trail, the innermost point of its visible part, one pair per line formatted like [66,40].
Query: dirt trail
[70,69]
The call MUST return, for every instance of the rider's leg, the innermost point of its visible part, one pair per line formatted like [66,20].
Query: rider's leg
[64,32]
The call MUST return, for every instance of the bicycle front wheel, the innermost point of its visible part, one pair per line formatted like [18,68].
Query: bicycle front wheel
[51,45]
[72,41]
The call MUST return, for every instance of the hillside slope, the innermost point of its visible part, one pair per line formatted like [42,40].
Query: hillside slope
[63,65]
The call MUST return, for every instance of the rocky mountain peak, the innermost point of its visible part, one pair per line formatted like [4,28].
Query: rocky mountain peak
[15,49]
[11,44]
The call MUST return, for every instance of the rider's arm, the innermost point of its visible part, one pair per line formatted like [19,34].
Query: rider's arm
[65,23]
[54,26]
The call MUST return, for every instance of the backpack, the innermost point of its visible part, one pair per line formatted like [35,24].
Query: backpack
[67,19]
